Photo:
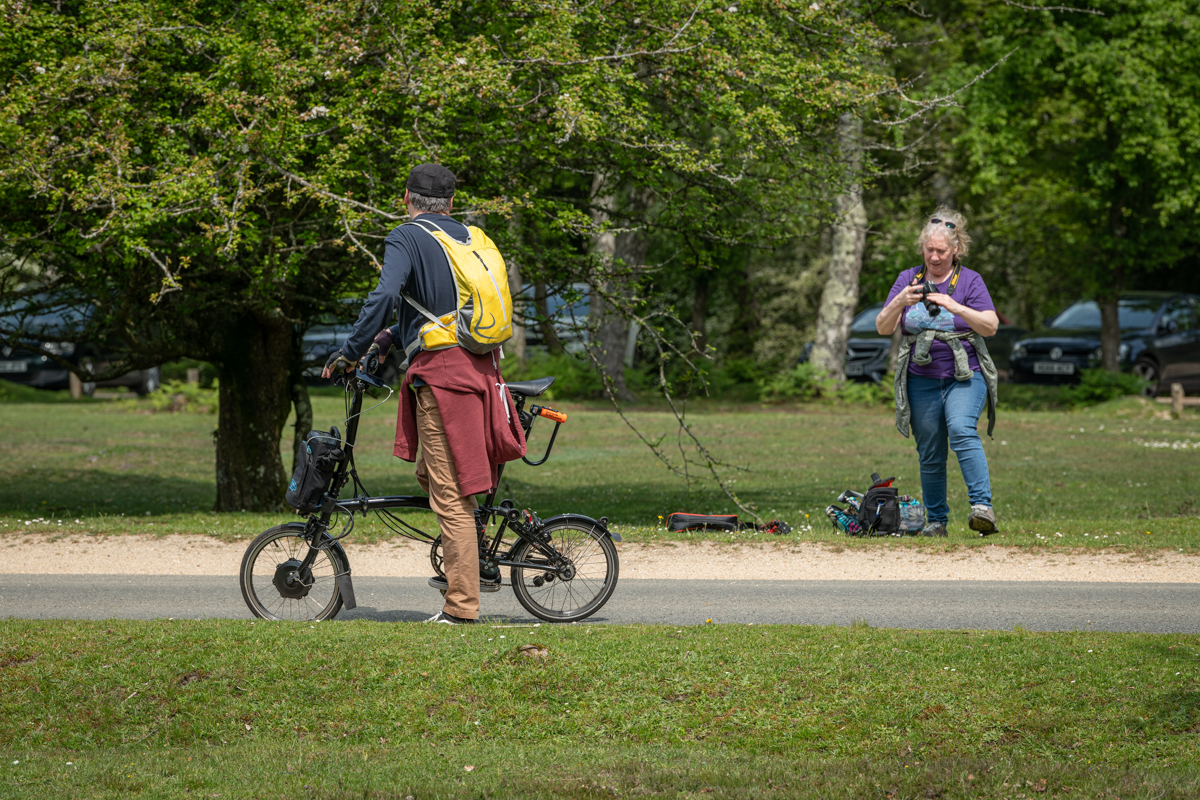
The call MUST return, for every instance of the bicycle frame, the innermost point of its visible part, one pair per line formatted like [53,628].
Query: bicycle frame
[526,525]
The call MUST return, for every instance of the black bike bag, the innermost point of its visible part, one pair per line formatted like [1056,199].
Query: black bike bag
[879,513]
[318,459]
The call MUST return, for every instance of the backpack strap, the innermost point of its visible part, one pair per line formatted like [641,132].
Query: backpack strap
[425,312]
[420,223]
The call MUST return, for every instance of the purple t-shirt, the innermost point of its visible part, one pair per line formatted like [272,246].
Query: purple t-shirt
[971,292]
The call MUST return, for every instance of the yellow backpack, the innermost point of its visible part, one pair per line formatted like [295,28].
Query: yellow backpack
[483,320]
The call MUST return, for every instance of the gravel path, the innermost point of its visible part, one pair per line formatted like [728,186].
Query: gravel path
[199,555]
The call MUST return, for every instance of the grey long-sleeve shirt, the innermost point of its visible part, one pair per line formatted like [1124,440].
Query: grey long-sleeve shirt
[415,263]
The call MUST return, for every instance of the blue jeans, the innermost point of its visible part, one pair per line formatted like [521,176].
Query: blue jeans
[947,411]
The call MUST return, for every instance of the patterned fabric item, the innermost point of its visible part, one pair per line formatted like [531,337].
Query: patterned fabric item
[912,515]
[843,522]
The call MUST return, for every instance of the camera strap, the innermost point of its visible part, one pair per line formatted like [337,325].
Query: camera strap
[953,278]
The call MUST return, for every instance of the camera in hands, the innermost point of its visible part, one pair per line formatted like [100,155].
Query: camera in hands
[926,289]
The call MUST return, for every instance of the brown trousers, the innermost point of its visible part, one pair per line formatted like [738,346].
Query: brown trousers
[456,514]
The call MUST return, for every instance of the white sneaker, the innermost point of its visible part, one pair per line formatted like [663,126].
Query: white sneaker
[448,619]
[982,519]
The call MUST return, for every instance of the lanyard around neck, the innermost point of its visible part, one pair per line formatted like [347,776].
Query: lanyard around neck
[953,277]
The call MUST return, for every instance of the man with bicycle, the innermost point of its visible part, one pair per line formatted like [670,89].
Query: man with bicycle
[457,411]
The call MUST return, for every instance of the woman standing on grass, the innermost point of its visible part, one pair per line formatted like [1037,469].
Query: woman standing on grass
[944,374]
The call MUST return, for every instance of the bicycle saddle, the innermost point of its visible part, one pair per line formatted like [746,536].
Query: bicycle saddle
[530,388]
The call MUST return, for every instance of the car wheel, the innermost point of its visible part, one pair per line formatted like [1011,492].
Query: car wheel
[1147,370]
[151,379]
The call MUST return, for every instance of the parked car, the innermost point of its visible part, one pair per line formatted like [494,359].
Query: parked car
[1160,342]
[868,352]
[568,319]
[28,357]
[323,339]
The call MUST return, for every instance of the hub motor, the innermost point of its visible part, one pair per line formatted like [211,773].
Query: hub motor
[291,581]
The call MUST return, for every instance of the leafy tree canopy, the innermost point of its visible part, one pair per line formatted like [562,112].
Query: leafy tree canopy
[208,175]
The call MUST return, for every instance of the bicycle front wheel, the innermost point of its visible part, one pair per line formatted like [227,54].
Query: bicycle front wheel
[575,591]
[277,586]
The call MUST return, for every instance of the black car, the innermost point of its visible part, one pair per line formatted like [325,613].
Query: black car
[1160,342]
[868,352]
[27,357]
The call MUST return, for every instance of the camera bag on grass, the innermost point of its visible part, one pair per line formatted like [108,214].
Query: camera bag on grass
[858,518]
[681,521]
[879,513]
[318,460]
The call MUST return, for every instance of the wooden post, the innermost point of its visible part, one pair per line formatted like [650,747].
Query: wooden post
[76,386]
[193,376]
[1177,399]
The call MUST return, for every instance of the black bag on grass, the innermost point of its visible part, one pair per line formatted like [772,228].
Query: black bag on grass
[880,509]
[680,521]
[318,460]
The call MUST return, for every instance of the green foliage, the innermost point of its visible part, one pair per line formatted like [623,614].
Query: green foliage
[804,382]
[1086,138]
[1100,386]
[1095,386]
[174,397]
[16,393]
[801,382]
[177,371]
[1028,397]
[575,377]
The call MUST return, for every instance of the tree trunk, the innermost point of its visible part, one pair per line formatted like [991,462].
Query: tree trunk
[549,335]
[300,400]
[255,397]
[700,311]
[1110,335]
[619,255]
[516,345]
[840,297]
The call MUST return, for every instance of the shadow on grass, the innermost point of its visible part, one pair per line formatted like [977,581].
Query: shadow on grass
[61,492]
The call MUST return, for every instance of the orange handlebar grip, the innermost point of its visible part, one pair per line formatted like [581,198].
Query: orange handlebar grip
[550,413]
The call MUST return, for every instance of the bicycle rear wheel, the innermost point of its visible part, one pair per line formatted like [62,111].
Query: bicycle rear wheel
[572,593]
[276,587]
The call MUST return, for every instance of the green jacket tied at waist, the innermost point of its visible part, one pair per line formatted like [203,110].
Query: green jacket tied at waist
[916,348]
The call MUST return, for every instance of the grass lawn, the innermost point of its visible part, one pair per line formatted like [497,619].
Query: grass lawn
[1115,475]
[237,709]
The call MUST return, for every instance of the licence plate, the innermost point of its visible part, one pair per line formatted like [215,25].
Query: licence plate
[1053,368]
[854,369]
[14,366]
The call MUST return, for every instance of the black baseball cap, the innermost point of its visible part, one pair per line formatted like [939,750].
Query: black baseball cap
[431,180]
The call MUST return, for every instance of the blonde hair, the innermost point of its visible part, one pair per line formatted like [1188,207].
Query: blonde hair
[957,236]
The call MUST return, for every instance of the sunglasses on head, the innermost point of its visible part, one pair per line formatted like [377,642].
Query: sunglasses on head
[936,221]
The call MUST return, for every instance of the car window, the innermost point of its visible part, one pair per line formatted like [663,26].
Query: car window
[1085,315]
[865,322]
[1181,312]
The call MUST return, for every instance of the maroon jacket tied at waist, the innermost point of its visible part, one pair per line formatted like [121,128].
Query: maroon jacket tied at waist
[481,422]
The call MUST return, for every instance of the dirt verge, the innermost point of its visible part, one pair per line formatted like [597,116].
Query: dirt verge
[199,555]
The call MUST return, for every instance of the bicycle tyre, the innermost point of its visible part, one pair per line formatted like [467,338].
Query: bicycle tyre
[266,556]
[555,600]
